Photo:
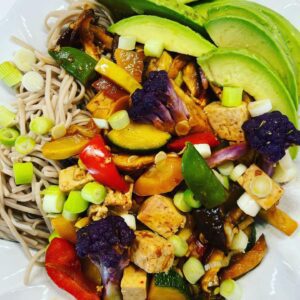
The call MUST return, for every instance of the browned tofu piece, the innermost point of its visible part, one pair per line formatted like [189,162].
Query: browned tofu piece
[151,252]
[160,215]
[118,199]
[227,121]
[134,284]
[73,178]
[246,180]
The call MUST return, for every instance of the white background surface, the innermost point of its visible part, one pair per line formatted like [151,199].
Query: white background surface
[277,278]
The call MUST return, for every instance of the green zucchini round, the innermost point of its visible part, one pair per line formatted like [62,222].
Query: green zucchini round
[139,138]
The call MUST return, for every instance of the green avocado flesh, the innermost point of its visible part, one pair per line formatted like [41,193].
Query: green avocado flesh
[281,29]
[171,9]
[241,68]
[175,37]
[240,33]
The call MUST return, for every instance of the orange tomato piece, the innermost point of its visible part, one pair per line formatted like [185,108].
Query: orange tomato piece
[65,229]
[160,178]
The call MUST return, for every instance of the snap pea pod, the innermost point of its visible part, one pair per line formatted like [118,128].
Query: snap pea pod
[75,62]
[201,180]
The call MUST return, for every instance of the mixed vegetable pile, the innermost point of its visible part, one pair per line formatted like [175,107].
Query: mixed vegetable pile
[161,189]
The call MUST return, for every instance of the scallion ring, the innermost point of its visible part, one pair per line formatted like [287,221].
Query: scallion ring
[8,136]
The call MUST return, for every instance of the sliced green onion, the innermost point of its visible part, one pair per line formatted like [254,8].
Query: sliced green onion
[24,144]
[129,220]
[154,48]
[239,242]
[94,192]
[24,59]
[7,117]
[23,173]
[8,136]
[41,125]
[101,123]
[127,42]
[69,216]
[5,69]
[180,245]
[180,203]
[203,149]
[33,81]
[248,205]
[261,186]
[223,179]
[189,199]
[53,235]
[58,131]
[232,96]
[286,170]
[10,74]
[237,172]
[193,270]
[282,175]
[230,290]
[226,168]
[259,107]
[119,120]
[75,203]
[54,200]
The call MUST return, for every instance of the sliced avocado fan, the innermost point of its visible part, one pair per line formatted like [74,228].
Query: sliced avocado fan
[282,30]
[228,67]
[174,36]
[240,33]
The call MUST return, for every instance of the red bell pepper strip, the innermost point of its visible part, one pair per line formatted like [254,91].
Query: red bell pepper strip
[63,267]
[98,161]
[195,138]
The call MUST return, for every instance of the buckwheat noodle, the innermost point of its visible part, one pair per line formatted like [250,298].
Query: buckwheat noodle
[21,216]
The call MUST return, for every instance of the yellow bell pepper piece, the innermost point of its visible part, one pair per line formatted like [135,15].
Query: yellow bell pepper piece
[117,74]
[65,147]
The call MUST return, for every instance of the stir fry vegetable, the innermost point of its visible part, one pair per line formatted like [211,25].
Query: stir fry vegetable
[76,62]
[98,161]
[201,180]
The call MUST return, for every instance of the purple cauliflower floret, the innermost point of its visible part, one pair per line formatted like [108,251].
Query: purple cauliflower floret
[106,243]
[271,134]
[157,103]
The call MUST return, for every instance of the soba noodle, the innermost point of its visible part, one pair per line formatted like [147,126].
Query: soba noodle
[21,216]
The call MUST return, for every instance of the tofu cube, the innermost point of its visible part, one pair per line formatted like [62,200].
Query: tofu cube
[160,215]
[227,121]
[151,252]
[246,181]
[122,202]
[73,178]
[134,284]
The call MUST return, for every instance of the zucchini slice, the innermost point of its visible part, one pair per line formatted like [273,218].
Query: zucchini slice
[139,138]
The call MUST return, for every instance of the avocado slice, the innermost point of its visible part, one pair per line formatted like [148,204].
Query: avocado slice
[171,9]
[251,15]
[227,67]
[274,21]
[175,37]
[240,33]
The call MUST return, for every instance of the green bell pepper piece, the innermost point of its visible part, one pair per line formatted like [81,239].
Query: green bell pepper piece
[75,62]
[201,179]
